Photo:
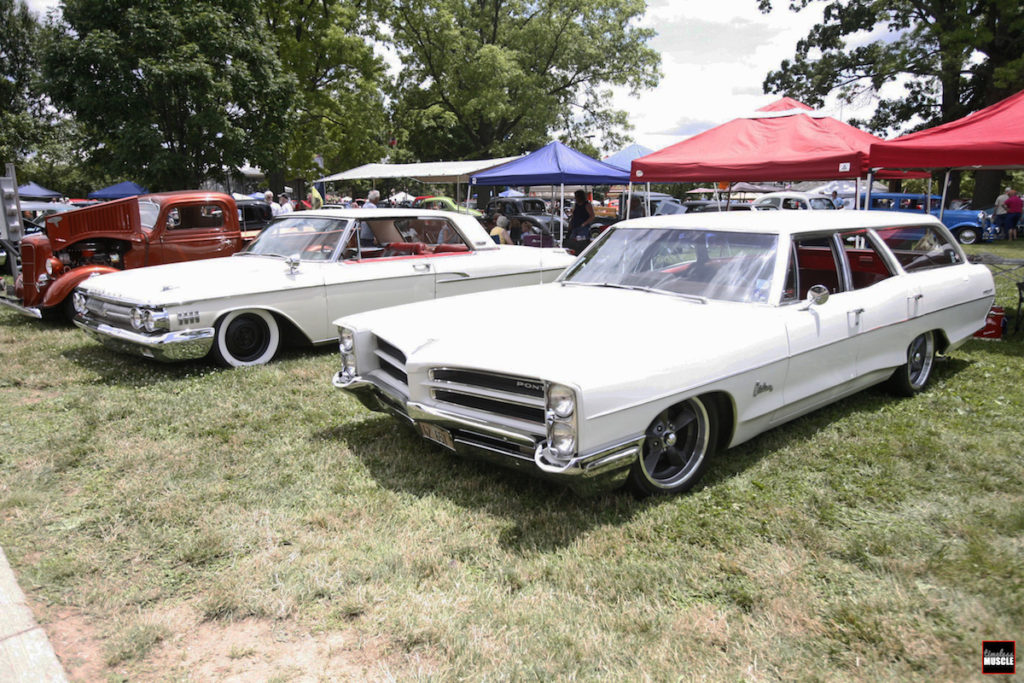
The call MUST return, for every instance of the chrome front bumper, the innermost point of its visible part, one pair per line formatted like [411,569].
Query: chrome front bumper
[167,347]
[587,473]
[15,305]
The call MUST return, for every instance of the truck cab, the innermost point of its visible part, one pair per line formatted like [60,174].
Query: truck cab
[126,233]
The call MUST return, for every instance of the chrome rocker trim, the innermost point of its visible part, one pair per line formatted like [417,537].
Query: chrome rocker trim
[167,347]
[586,474]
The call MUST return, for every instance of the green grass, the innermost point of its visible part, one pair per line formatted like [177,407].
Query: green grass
[875,539]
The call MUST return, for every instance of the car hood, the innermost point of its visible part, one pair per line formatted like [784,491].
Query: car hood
[178,283]
[588,337]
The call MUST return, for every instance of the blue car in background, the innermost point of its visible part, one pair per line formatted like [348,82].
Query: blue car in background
[969,226]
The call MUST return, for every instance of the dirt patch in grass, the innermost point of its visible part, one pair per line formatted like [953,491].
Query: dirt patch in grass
[248,649]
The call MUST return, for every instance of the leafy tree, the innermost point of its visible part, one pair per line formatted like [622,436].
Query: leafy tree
[171,92]
[957,56]
[20,127]
[487,78]
[338,101]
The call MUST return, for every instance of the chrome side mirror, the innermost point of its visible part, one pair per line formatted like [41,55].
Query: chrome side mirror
[293,264]
[817,295]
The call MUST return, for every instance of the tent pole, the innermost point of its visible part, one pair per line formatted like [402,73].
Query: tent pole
[629,200]
[648,212]
[945,188]
[558,213]
[867,193]
[928,197]
[856,194]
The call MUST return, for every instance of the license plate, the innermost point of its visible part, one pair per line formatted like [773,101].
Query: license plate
[437,435]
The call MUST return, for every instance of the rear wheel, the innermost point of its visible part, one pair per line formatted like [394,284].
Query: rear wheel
[912,377]
[246,338]
[967,235]
[678,445]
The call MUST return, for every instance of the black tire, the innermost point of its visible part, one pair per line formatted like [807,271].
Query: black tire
[912,377]
[967,235]
[246,337]
[679,443]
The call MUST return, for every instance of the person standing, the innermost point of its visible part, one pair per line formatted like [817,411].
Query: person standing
[275,208]
[371,200]
[579,222]
[1014,207]
[999,213]
[286,204]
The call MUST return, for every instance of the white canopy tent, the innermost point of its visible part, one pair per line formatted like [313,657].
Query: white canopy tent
[457,172]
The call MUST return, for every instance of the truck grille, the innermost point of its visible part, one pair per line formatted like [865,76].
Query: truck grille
[506,396]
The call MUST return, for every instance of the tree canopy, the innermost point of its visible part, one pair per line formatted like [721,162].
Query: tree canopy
[170,93]
[20,114]
[955,57]
[487,78]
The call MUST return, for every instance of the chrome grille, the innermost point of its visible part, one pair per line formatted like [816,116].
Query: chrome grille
[520,399]
[111,312]
[392,361]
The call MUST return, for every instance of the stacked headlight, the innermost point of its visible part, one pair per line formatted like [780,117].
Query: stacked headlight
[560,419]
[347,346]
[78,301]
[136,318]
[154,320]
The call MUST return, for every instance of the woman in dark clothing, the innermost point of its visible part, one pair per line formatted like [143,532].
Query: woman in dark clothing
[579,223]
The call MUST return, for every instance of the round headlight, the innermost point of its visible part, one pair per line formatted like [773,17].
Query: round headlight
[78,301]
[136,318]
[49,266]
[563,439]
[347,340]
[982,216]
[561,400]
[148,321]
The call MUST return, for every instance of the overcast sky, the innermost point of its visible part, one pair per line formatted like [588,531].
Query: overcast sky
[715,56]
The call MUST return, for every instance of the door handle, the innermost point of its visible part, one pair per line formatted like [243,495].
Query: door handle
[857,313]
[421,267]
[918,297]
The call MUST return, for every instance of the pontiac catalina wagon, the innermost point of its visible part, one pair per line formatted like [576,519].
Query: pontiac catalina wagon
[302,272]
[677,336]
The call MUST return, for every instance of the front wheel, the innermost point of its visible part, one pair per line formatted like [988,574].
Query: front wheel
[245,338]
[912,377]
[967,235]
[678,445]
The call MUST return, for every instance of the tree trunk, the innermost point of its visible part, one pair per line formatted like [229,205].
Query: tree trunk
[986,188]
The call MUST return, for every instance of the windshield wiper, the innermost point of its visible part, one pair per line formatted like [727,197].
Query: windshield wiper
[641,288]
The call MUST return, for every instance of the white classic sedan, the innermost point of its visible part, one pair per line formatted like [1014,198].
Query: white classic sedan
[301,273]
[670,338]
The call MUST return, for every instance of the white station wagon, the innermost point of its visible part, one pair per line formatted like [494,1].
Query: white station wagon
[302,272]
[670,338]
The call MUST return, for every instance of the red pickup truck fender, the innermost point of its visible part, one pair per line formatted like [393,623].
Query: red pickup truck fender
[66,283]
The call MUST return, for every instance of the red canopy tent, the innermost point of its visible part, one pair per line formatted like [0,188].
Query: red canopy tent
[785,140]
[992,137]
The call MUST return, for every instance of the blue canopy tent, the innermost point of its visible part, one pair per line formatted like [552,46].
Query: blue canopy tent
[34,191]
[624,158]
[552,164]
[119,191]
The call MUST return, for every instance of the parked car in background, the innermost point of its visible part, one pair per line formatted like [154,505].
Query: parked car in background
[794,201]
[444,204]
[529,211]
[253,216]
[761,317]
[123,234]
[306,269]
[967,225]
[642,204]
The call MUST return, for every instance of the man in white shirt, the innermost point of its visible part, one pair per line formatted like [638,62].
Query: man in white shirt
[286,204]
[275,208]
[371,200]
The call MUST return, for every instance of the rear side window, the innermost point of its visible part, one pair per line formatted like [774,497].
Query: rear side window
[920,247]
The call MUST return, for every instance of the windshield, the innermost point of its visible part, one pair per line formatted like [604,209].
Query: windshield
[149,210]
[728,266]
[311,239]
[533,206]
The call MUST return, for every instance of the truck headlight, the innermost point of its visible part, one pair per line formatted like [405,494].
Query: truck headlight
[53,265]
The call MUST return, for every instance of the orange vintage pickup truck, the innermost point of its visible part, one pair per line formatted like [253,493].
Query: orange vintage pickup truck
[127,233]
